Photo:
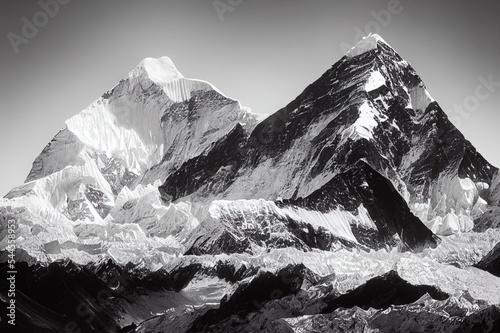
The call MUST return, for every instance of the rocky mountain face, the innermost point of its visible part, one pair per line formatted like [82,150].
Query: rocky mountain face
[166,206]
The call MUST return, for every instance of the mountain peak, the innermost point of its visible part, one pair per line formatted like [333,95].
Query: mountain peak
[368,43]
[161,70]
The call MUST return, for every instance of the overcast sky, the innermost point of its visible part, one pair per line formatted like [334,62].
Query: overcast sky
[261,52]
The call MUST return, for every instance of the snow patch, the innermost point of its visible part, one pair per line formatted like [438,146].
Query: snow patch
[160,71]
[419,98]
[376,80]
[454,203]
[364,125]
[337,222]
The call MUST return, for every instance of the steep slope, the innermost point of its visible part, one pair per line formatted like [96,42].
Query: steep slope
[382,292]
[372,106]
[491,262]
[491,216]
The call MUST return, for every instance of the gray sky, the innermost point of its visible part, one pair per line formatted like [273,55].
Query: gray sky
[262,52]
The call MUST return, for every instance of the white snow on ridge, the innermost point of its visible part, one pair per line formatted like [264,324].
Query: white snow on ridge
[364,218]
[364,125]
[366,44]
[164,73]
[337,222]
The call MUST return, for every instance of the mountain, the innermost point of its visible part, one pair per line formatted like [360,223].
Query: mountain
[371,107]
[112,153]
[167,206]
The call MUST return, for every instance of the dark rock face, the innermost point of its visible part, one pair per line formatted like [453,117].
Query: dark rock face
[382,292]
[363,185]
[228,272]
[486,320]
[65,296]
[225,243]
[491,262]
[251,297]
[116,173]
[491,217]
[200,102]
[50,299]
[201,170]
[410,319]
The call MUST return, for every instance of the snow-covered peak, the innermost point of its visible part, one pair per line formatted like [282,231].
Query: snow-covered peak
[368,43]
[161,70]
